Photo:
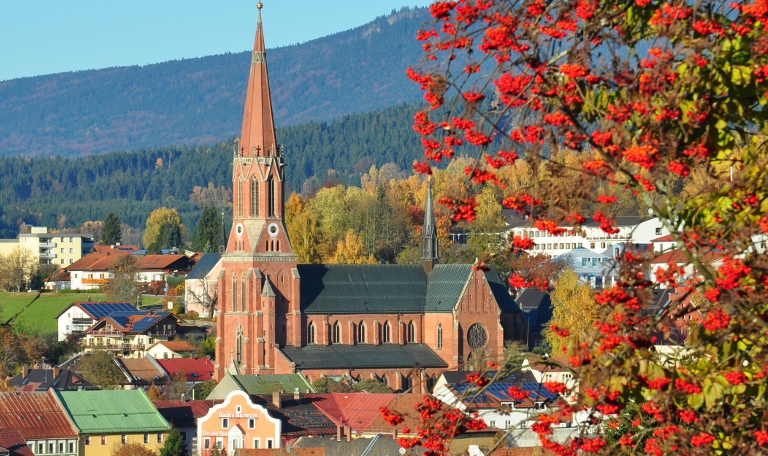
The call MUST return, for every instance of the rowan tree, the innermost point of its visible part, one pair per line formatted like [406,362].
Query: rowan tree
[645,91]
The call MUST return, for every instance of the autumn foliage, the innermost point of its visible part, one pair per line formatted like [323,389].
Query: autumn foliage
[650,94]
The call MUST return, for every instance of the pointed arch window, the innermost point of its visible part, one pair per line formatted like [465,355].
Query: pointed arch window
[242,293]
[411,332]
[384,379]
[239,345]
[387,333]
[234,293]
[239,197]
[311,333]
[439,335]
[361,333]
[255,197]
[336,333]
[272,196]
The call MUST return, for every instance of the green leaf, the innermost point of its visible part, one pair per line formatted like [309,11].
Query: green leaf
[695,400]
[713,392]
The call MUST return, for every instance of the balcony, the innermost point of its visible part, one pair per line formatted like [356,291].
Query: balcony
[82,321]
[47,255]
[94,281]
[106,333]
[48,244]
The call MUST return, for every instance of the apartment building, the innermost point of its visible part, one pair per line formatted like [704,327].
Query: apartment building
[61,249]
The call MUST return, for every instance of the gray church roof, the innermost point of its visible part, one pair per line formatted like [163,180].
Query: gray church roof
[203,266]
[389,288]
[363,356]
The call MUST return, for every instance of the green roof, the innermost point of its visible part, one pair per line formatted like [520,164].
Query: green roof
[372,289]
[112,412]
[269,383]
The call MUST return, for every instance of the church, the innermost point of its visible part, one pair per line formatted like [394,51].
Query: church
[401,324]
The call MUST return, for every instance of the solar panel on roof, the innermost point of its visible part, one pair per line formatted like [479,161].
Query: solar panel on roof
[99,310]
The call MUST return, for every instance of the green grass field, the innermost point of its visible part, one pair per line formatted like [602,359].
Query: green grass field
[41,315]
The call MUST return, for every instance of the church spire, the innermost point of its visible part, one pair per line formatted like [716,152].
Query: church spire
[429,233]
[258,134]
[222,237]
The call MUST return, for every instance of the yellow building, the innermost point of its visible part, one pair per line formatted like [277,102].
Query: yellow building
[61,249]
[106,420]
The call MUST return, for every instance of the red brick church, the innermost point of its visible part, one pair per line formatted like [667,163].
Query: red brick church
[402,324]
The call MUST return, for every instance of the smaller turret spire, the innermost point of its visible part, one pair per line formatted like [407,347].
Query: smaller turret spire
[222,237]
[429,250]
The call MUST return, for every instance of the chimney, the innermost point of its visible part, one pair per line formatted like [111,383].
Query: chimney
[339,433]
[296,394]
[183,397]
[394,434]
[276,399]
[349,433]
[25,371]
[56,371]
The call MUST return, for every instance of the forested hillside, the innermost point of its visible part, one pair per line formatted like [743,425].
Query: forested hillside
[200,101]
[65,192]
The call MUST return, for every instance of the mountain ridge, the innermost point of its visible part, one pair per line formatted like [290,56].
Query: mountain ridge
[200,100]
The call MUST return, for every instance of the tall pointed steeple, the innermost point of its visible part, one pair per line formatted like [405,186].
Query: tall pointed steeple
[429,250]
[258,134]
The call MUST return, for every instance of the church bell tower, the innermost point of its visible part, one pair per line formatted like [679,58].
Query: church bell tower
[258,287]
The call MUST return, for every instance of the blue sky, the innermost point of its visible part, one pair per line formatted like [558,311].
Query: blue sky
[53,36]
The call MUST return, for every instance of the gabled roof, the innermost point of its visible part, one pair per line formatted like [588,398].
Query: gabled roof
[149,262]
[269,383]
[178,346]
[667,238]
[114,248]
[37,415]
[357,410]
[12,442]
[298,416]
[531,298]
[134,322]
[196,370]
[98,310]
[43,379]
[143,371]
[112,412]
[95,261]
[363,356]
[405,404]
[390,288]
[203,266]
[182,414]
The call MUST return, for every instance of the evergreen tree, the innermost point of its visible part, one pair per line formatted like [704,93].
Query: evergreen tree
[174,445]
[207,231]
[110,230]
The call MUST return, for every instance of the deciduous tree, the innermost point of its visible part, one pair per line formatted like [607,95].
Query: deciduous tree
[100,369]
[124,282]
[575,311]
[164,227]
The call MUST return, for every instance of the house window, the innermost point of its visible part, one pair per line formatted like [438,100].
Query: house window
[225,423]
[584,261]
[591,245]
[658,231]
[41,448]
[384,379]
[492,423]
[439,335]
[311,333]
[71,447]
[507,424]
[387,331]
[256,444]
[123,439]
[146,438]
[159,438]
[103,439]
[336,333]
[71,251]
[538,406]
[360,337]
[87,439]
[269,443]
[219,442]
[411,332]
[251,423]
[239,346]
[61,447]
[206,443]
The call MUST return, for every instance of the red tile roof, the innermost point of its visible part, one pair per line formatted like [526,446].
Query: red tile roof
[115,248]
[196,370]
[95,261]
[12,441]
[177,345]
[667,238]
[357,410]
[405,405]
[158,261]
[678,257]
[37,415]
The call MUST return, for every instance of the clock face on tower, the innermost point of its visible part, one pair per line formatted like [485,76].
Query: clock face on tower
[239,229]
[273,229]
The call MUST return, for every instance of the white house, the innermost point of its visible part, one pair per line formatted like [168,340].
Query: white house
[80,316]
